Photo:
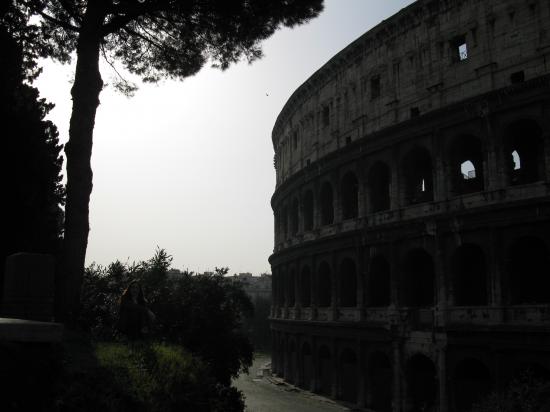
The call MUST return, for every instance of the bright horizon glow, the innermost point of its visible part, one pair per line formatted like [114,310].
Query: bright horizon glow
[188,166]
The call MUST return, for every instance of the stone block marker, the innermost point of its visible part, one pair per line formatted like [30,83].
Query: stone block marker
[29,287]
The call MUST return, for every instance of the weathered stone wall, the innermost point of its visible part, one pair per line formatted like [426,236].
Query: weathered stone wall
[412,229]
[415,56]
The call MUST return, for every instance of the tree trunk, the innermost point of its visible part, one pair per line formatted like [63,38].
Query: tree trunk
[85,94]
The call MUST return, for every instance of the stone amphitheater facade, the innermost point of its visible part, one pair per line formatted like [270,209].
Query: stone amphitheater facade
[411,268]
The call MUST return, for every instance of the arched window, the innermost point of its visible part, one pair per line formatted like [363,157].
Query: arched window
[305,287]
[348,376]
[327,204]
[529,271]
[378,285]
[379,187]
[421,383]
[472,384]
[284,222]
[307,366]
[418,279]
[469,276]
[418,176]
[292,361]
[467,164]
[348,283]
[350,196]
[379,372]
[324,285]
[525,151]
[308,210]
[291,288]
[325,370]
[275,287]
[295,216]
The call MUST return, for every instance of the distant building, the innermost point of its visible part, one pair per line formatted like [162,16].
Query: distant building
[411,267]
[255,286]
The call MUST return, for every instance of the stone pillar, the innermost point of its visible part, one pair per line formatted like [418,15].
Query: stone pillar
[361,280]
[496,269]
[495,177]
[394,271]
[361,393]
[361,192]
[337,197]
[335,371]
[313,289]
[442,365]
[395,189]
[335,302]
[397,396]
[440,186]
[313,386]
[440,281]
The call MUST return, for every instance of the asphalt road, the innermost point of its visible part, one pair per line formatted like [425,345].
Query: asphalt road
[266,395]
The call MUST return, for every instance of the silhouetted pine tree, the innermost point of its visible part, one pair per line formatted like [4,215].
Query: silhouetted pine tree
[33,194]
[153,39]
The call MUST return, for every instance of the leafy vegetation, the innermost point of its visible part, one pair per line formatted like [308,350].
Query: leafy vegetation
[110,377]
[202,312]
[526,393]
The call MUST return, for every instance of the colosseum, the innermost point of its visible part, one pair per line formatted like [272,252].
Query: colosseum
[411,267]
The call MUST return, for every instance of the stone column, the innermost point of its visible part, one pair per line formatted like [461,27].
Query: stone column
[440,186]
[440,281]
[397,400]
[442,364]
[361,394]
[395,189]
[496,270]
[334,391]
[313,289]
[361,277]
[335,302]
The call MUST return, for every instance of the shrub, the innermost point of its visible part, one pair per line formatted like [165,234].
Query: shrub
[196,311]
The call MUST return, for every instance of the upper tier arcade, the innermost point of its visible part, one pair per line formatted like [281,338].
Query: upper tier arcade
[429,56]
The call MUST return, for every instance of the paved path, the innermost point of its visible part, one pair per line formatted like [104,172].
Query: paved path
[268,395]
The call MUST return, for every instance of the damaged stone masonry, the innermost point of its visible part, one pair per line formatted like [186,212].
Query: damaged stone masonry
[411,267]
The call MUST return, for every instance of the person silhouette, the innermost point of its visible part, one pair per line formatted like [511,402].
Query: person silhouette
[134,319]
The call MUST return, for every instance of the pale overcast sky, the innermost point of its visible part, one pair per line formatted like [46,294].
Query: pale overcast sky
[188,166]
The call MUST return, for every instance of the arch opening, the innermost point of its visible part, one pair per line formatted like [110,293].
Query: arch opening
[528,268]
[418,176]
[308,210]
[284,222]
[307,366]
[324,285]
[418,279]
[350,196]
[325,371]
[305,287]
[379,187]
[327,204]
[295,217]
[525,152]
[467,164]
[291,288]
[469,276]
[472,384]
[348,283]
[348,376]
[291,376]
[378,289]
[380,376]
[421,384]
